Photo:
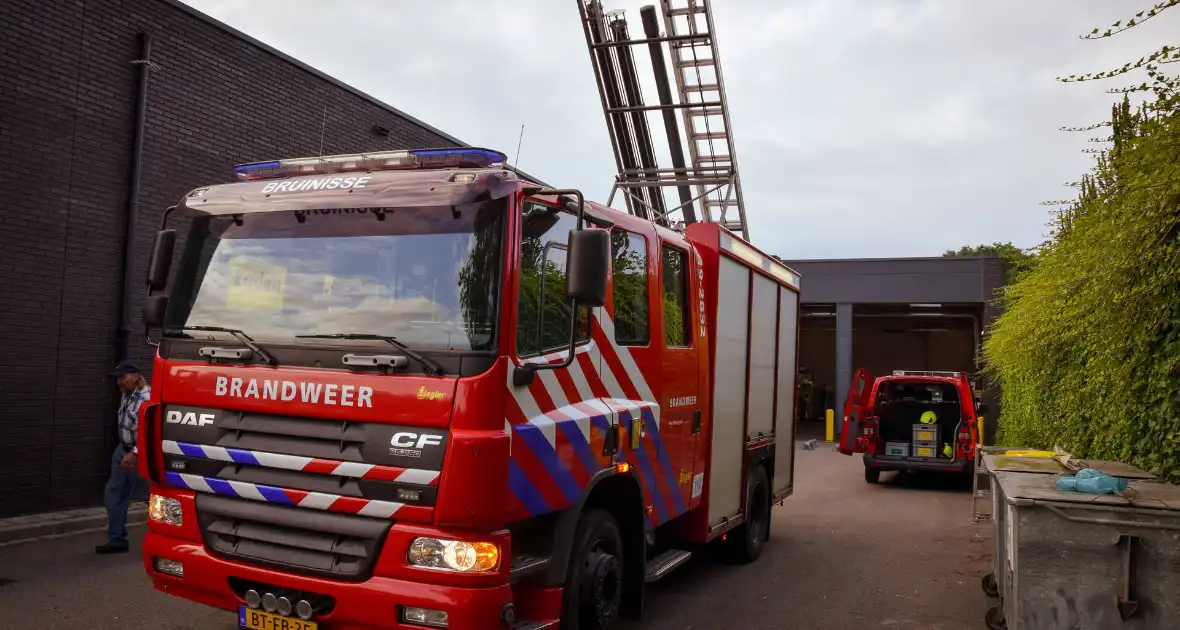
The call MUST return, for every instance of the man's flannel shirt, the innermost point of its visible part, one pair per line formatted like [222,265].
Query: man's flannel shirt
[129,416]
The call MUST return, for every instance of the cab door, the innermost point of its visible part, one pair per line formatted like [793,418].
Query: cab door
[855,407]
[681,355]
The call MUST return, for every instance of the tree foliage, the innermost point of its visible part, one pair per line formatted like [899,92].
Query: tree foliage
[1018,260]
[1087,351]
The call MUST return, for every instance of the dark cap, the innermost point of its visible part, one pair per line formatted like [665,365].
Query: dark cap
[124,368]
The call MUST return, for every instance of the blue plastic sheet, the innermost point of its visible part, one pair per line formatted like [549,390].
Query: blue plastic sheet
[1092,481]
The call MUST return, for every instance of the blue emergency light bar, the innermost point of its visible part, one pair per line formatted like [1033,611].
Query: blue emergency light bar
[384,161]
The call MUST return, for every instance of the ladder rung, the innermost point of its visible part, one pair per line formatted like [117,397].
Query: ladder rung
[709,110]
[693,63]
[694,10]
[704,87]
[714,159]
[711,135]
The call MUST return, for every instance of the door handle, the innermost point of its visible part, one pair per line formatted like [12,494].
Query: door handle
[696,421]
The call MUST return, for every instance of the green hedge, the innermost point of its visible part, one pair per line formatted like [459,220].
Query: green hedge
[1087,351]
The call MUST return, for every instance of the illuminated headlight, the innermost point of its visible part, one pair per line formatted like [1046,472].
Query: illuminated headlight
[454,555]
[165,510]
[424,617]
[171,567]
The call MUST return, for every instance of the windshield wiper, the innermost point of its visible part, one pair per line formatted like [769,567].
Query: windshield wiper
[432,367]
[242,337]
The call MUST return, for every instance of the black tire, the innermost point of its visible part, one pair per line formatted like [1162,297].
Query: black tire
[990,587]
[593,590]
[872,475]
[747,540]
[994,618]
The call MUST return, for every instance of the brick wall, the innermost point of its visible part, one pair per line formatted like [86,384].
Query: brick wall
[67,115]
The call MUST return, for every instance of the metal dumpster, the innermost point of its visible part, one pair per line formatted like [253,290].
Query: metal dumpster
[1075,561]
[993,463]
[1009,459]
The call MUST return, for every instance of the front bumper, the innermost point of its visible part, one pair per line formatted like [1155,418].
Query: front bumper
[918,464]
[369,605]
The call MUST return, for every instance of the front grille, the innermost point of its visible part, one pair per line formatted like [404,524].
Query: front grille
[306,437]
[303,495]
[312,542]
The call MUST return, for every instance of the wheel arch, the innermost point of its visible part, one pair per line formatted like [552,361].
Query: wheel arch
[619,494]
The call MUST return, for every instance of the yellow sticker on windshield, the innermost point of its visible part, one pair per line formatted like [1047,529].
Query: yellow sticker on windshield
[255,285]
[329,282]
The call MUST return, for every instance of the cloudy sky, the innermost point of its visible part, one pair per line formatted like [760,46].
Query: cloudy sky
[863,127]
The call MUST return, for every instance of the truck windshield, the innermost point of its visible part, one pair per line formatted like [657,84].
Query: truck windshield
[428,276]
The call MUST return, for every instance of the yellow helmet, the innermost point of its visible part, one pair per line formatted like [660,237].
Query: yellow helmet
[928,417]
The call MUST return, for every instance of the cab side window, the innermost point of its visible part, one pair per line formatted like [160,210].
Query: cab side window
[677,330]
[629,279]
[543,315]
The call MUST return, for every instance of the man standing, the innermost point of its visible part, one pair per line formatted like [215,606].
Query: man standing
[124,480]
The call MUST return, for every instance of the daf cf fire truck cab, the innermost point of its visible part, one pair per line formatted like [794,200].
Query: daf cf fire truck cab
[413,390]
[911,421]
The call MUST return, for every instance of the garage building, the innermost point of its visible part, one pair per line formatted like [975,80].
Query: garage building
[885,314]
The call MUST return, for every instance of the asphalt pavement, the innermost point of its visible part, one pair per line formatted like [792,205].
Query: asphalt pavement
[843,555]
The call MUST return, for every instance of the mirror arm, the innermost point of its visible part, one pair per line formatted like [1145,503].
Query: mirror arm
[527,372]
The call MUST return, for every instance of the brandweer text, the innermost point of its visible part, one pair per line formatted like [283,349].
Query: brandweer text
[287,391]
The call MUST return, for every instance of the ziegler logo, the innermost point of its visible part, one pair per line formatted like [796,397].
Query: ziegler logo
[423,394]
[408,444]
[190,418]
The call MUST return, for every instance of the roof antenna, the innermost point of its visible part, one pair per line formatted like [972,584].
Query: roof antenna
[516,162]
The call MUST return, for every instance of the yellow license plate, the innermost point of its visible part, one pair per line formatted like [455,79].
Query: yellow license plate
[262,620]
[925,435]
[925,451]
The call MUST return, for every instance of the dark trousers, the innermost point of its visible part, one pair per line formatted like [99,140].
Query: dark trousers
[121,486]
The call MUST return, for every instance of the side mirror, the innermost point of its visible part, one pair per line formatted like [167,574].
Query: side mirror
[161,260]
[981,409]
[587,264]
[154,308]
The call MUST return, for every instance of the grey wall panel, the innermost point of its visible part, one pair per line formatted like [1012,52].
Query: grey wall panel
[942,280]
[763,327]
[784,422]
[728,444]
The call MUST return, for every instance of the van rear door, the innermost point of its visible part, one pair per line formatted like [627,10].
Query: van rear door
[855,407]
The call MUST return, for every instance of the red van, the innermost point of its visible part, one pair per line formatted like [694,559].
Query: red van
[912,421]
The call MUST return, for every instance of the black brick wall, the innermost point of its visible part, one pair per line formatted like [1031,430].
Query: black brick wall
[67,114]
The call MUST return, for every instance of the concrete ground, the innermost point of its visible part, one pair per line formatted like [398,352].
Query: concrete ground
[843,555]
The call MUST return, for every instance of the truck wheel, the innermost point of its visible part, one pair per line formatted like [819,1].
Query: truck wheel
[594,579]
[872,475]
[747,540]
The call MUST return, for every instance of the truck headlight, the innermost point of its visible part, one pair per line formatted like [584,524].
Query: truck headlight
[454,555]
[165,510]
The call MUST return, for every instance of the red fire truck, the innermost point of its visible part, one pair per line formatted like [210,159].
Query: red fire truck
[412,389]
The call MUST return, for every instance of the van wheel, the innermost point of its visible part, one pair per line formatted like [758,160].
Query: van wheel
[747,540]
[593,589]
[990,587]
[872,475]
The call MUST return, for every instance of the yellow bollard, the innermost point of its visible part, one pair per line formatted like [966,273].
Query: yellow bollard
[830,420]
[981,430]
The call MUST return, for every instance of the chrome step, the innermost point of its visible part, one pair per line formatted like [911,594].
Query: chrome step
[663,564]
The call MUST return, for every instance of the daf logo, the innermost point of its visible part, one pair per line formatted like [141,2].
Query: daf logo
[406,439]
[190,418]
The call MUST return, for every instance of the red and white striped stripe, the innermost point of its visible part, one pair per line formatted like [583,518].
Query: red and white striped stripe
[551,396]
[313,465]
